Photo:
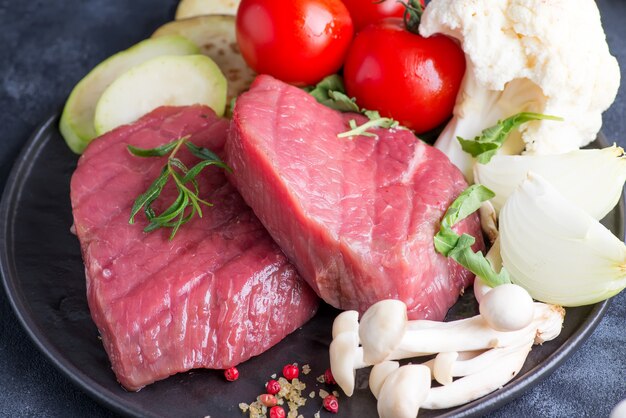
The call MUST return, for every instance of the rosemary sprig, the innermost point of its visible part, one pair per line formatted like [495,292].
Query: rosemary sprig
[187,204]
[331,93]
[376,121]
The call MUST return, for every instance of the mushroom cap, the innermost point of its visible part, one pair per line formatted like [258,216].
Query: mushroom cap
[480,289]
[404,391]
[346,321]
[507,307]
[379,374]
[381,329]
[619,411]
[442,367]
[343,352]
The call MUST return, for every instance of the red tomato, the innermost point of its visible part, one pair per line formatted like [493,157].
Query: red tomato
[411,79]
[297,41]
[364,12]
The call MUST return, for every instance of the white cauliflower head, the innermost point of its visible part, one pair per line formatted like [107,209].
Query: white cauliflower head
[544,56]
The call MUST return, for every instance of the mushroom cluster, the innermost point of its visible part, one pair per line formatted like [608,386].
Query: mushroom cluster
[473,356]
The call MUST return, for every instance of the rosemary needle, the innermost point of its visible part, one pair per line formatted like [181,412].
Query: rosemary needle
[187,204]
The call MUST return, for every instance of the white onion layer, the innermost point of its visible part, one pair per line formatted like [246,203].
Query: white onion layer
[557,251]
[591,179]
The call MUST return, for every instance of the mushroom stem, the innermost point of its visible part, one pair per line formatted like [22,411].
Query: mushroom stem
[493,256]
[489,220]
[446,366]
[430,337]
[477,385]
[403,392]
[379,374]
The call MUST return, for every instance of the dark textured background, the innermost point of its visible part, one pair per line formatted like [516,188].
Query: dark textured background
[47,46]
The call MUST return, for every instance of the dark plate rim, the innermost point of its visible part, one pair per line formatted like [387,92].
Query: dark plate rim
[10,198]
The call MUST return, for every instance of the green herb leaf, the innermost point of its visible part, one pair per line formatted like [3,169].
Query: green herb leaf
[187,204]
[467,203]
[331,93]
[448,243]
[341,102]
[477,263]
[149,195]
[154,152]
[207,154]
[330,83]
[485,146]
[372,123]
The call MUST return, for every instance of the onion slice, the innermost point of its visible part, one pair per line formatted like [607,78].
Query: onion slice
[556,250]
[591,179]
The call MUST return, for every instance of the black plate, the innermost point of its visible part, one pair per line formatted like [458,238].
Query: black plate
[43,275]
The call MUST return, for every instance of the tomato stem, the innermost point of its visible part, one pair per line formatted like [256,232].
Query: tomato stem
[413,11]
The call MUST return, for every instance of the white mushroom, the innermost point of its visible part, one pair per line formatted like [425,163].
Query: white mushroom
[494,258]
[507,307]
[550,319]
[379,374]
[488,220]
[428,337]
[447,366]
[346,321]
[424,337]
[345,357]
[381,329]
[403,392]
[479,384]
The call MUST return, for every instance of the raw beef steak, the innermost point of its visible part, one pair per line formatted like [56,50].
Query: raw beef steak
[217,294]
[356,215]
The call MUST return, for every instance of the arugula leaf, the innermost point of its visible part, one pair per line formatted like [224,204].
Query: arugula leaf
[448,243]
[485,146]
[331,83]
[467,203]
[477,263]
[331,93]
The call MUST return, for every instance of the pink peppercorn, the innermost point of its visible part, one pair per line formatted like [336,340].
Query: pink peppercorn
[272,387]
[277,412]
[291,371]
[331,404]
[328,377]
[231,374]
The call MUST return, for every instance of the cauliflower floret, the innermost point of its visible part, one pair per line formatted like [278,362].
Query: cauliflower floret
[544,56]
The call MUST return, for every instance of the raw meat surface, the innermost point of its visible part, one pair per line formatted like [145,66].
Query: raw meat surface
[356,215]
[219,293]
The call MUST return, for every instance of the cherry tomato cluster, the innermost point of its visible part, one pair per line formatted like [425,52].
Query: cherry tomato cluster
[411,79]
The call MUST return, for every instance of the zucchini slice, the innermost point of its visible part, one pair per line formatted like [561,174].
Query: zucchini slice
[162,81]
[77,120]
[216,37]
[192,8]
